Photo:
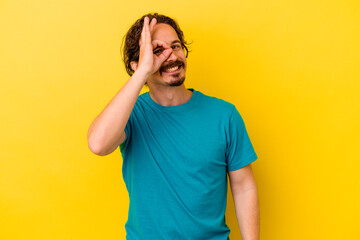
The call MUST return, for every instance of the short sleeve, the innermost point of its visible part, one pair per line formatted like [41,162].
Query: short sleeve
[239,150]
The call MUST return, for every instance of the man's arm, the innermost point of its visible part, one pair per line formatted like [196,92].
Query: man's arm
[244,191]
[106,132]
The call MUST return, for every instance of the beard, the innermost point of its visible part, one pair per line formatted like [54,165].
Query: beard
[179,81]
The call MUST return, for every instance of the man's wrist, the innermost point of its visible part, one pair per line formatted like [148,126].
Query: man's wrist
[141,75]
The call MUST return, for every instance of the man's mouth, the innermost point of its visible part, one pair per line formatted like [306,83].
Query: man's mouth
[172,67]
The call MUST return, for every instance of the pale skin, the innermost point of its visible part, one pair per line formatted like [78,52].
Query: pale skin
[106,132]
[245,195]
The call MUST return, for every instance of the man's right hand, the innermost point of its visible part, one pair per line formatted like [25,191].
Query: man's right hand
[149,62]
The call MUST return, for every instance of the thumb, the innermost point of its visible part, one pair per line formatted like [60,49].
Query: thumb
[165,54]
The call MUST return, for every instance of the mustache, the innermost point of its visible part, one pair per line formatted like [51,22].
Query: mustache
[171,64]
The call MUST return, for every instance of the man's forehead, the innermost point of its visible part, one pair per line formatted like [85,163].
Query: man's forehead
[164,32]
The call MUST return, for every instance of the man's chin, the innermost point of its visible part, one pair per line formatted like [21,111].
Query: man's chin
[177,82]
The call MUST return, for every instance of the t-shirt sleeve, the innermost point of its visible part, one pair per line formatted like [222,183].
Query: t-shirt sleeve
[239,150]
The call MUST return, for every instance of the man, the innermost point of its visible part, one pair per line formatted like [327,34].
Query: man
[177,144]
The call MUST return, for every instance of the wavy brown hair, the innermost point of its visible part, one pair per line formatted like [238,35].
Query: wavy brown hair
[130,44]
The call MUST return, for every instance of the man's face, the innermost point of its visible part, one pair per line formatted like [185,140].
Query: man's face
[172,71]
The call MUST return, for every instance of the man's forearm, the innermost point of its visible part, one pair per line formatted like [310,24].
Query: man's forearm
[105,131]
[247,213]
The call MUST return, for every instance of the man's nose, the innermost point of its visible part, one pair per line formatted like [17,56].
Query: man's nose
[172,56]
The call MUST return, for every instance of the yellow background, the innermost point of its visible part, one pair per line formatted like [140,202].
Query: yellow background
[292,68]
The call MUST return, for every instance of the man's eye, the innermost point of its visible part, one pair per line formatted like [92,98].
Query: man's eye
[175,46]
[157,51]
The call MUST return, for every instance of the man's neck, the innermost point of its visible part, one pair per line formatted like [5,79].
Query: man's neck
[170,96]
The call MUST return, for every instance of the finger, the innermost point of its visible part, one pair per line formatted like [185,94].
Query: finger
[147,30]
[143,37]
[164,55]
[160,59]
[159,43]
[152,24]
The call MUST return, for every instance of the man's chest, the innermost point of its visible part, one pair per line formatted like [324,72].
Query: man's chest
[187,141]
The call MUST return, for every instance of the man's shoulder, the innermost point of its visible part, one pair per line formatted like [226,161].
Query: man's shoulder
[142,99]
[216,102]
[142,96]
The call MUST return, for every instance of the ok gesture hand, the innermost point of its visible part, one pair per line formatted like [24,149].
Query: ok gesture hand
[149,62]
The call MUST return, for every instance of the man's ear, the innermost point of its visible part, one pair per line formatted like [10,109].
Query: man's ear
[133,65]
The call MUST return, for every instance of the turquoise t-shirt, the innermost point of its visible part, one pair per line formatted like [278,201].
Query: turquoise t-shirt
[175,163]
